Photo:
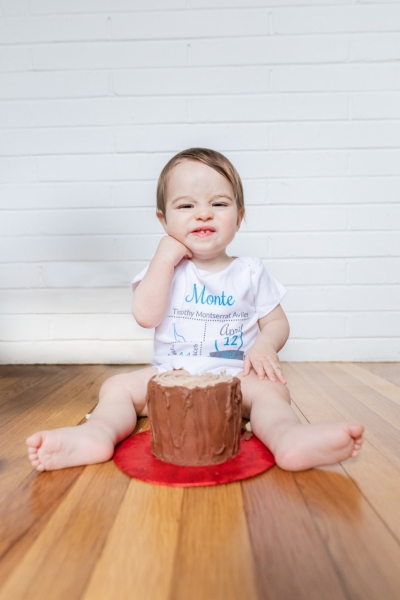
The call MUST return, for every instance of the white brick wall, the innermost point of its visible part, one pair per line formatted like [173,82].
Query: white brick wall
[96,95]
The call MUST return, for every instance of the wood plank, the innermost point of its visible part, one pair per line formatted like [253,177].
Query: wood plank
[137,560]
[19,385]
[365,554]
[378,403]
[60,561]
[26,401]
[214,558]
[291,560]
[378,431]
[389,371]
[376,477]
[375,382]
[27,498]
[26,510]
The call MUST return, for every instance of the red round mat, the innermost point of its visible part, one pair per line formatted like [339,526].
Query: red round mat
[134,457]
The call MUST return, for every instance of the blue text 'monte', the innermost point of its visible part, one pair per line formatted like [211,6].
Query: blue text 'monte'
[204,298]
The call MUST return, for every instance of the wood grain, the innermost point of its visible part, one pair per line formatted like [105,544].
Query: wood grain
[137,560]
[59,562]
[291,560]
[91,532]
[376,477]
[214,558]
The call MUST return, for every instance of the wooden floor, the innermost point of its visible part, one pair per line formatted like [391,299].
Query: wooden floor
[94,533]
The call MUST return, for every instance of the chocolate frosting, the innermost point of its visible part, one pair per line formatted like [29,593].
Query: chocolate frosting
[194,424]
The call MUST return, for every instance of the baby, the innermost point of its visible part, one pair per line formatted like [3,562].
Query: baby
[211,312]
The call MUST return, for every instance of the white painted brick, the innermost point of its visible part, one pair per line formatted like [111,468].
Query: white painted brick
[374,162]
[70,327]
[59,195]
[106,55]
[304,218]
[137,193]
[14,59]
[335,78]
[309,117]
[15,8]
[53,85]
[312,271]
[200,80]
[95,221]
[57,248]
[53,29]
[290,163]
[66,301]
[190,24]
[99,6]
[14,276]
[350,299]
[18,170]
[270,107]
[31,142]
[370,325]
[335,135]
[334,19]
[373,270]
[71,274]
[145,138]
[100,168]
[78,248]
[269,50]
[376,47]
[317,325]
[381,217]
[243,3]
[77,351]
[339,244]
[93,111]
[329,190]
[376,106]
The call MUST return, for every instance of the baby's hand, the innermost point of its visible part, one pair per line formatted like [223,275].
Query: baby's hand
[265,362]
[173,250]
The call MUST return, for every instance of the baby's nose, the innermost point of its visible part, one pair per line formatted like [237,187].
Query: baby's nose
[204,213]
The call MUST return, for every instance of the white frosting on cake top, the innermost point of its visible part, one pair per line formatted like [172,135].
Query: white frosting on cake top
[183,377]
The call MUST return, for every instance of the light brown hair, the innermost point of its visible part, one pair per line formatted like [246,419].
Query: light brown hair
[213,159]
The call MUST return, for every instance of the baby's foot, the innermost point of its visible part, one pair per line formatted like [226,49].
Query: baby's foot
[306,446]
[69,447]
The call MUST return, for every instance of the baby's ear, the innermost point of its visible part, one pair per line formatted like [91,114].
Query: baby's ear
[240,217]
[162,219]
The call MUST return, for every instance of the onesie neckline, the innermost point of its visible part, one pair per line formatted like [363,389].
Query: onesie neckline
[205,273]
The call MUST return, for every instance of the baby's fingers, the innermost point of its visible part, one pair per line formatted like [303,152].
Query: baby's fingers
[246,366]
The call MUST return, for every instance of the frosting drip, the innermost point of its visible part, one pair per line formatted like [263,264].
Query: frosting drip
[194,424]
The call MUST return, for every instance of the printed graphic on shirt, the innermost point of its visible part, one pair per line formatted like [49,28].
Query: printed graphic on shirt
[215,334]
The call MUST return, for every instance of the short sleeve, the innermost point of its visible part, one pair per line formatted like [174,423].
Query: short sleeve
[268,292]
[139,278]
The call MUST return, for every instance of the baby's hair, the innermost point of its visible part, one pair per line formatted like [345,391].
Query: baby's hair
[213,159]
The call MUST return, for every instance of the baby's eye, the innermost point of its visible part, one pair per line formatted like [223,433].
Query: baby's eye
[185,206]
[220,204]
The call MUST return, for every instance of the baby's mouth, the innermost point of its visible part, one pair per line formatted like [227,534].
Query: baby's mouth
[203,232]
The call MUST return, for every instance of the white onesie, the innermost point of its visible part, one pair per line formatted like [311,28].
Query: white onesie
[212,318]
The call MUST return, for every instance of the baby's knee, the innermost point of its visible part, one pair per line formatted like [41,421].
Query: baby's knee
[113,384]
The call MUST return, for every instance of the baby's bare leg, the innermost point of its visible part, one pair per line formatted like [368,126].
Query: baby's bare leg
[122,398]
[294,445]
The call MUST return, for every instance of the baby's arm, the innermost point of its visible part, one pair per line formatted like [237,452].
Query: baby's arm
[151,297]
[262,356]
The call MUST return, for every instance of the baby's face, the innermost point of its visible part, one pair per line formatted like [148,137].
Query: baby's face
[201,211]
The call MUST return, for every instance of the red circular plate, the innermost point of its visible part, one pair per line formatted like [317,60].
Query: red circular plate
[134,457]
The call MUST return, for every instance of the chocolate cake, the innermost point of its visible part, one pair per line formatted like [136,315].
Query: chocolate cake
[195,419]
